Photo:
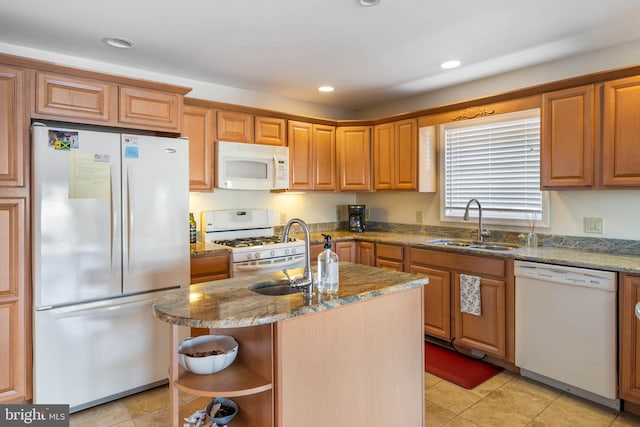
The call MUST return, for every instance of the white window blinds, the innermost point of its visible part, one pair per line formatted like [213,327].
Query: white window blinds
[497,161]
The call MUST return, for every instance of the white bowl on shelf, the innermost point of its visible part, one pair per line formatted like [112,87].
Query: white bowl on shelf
[207,354]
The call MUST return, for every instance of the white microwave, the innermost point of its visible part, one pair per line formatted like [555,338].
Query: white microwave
[243,166]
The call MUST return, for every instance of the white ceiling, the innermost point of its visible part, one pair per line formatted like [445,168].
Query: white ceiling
[288,48]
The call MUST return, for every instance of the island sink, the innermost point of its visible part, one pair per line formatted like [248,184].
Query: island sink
[275,288]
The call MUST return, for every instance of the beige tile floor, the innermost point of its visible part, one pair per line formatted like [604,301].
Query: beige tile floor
[505,400]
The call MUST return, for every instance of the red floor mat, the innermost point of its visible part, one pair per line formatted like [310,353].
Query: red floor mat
[456,368]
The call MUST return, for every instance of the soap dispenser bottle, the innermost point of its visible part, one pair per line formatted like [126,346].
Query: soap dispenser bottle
[327,268]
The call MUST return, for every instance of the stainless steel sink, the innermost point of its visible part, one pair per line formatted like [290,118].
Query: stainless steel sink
[275,288]
[492,246]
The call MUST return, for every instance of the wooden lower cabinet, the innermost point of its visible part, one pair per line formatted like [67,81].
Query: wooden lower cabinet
[492,332]
[346,250]
[209,267]
[389,256]
[366,253]
[437,301]
[15,307]
[629,295]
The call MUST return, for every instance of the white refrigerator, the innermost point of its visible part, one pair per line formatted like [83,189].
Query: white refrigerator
[110,235]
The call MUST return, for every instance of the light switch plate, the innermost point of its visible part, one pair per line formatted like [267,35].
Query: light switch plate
[419,217]
[594,225]
[283,217]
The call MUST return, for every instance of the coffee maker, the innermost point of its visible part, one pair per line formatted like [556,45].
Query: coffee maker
[356,218]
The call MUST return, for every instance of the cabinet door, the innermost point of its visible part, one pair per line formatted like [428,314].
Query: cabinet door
[437,301]
[621,133]
[405,176]
[300,155]
[354,153]
[199,124]
[383,156]
[12,130]
[346,251]
[270,131]
[365,253]
[234,126]
[150,109]
[487,331]
[567,148]
[315,251]
[75,97]
[324,157]
[15,331]
[629,340]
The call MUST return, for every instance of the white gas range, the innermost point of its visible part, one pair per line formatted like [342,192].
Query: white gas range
[248,233]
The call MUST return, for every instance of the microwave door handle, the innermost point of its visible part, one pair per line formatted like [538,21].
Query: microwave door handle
[275,170]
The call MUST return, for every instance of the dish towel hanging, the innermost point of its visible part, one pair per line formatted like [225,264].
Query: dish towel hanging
[470,294]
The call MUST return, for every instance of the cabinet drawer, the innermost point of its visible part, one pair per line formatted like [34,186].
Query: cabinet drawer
[471,264]
[209,267]
[394,252]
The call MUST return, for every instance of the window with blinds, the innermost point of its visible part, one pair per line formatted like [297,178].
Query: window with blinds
[497,161]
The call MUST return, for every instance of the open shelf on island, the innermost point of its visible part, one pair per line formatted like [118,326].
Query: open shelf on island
[236,380]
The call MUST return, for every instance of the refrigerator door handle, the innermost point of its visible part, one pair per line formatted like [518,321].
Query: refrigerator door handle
[131,220]
[101,310]
[114,224]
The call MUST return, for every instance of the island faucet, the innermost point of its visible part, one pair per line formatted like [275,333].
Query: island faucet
[306,280]
[482,232]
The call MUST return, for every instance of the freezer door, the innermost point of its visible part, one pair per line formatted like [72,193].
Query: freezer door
[91,353]
[76,215]
[155,212]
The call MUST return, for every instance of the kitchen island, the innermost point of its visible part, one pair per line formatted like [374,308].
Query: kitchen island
[356,359]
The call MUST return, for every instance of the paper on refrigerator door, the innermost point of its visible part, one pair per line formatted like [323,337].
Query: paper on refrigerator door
[89,176]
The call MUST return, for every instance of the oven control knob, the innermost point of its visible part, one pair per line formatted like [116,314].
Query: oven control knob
[257,255]
[286,251]
[248,256]
[293,250]
[273,253]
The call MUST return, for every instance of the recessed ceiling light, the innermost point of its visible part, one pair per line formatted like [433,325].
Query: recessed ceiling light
[368,2]
[117,42]
[450,64]
[325,88]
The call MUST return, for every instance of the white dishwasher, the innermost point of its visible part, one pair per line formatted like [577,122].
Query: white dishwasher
[566,329]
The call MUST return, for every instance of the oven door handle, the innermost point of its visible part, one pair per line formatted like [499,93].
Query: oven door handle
[254,267]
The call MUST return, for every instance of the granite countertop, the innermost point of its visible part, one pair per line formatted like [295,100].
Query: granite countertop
[230,303]
[548,254]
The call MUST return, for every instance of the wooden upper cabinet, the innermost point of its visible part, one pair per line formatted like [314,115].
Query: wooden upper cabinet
[567,143]
[383,156]
[75,97]
[150,109]
[199,125]
[406,155]
[354,158]
[395,155]
[621,133]
[300,155]
[312,156]
[270,130]
[84,100]
[234,126]
[12,127]
[324,157]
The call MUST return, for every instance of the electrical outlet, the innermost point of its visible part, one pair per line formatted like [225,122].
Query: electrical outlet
[419,217]
[594,225]
[283,217]
[367,214]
